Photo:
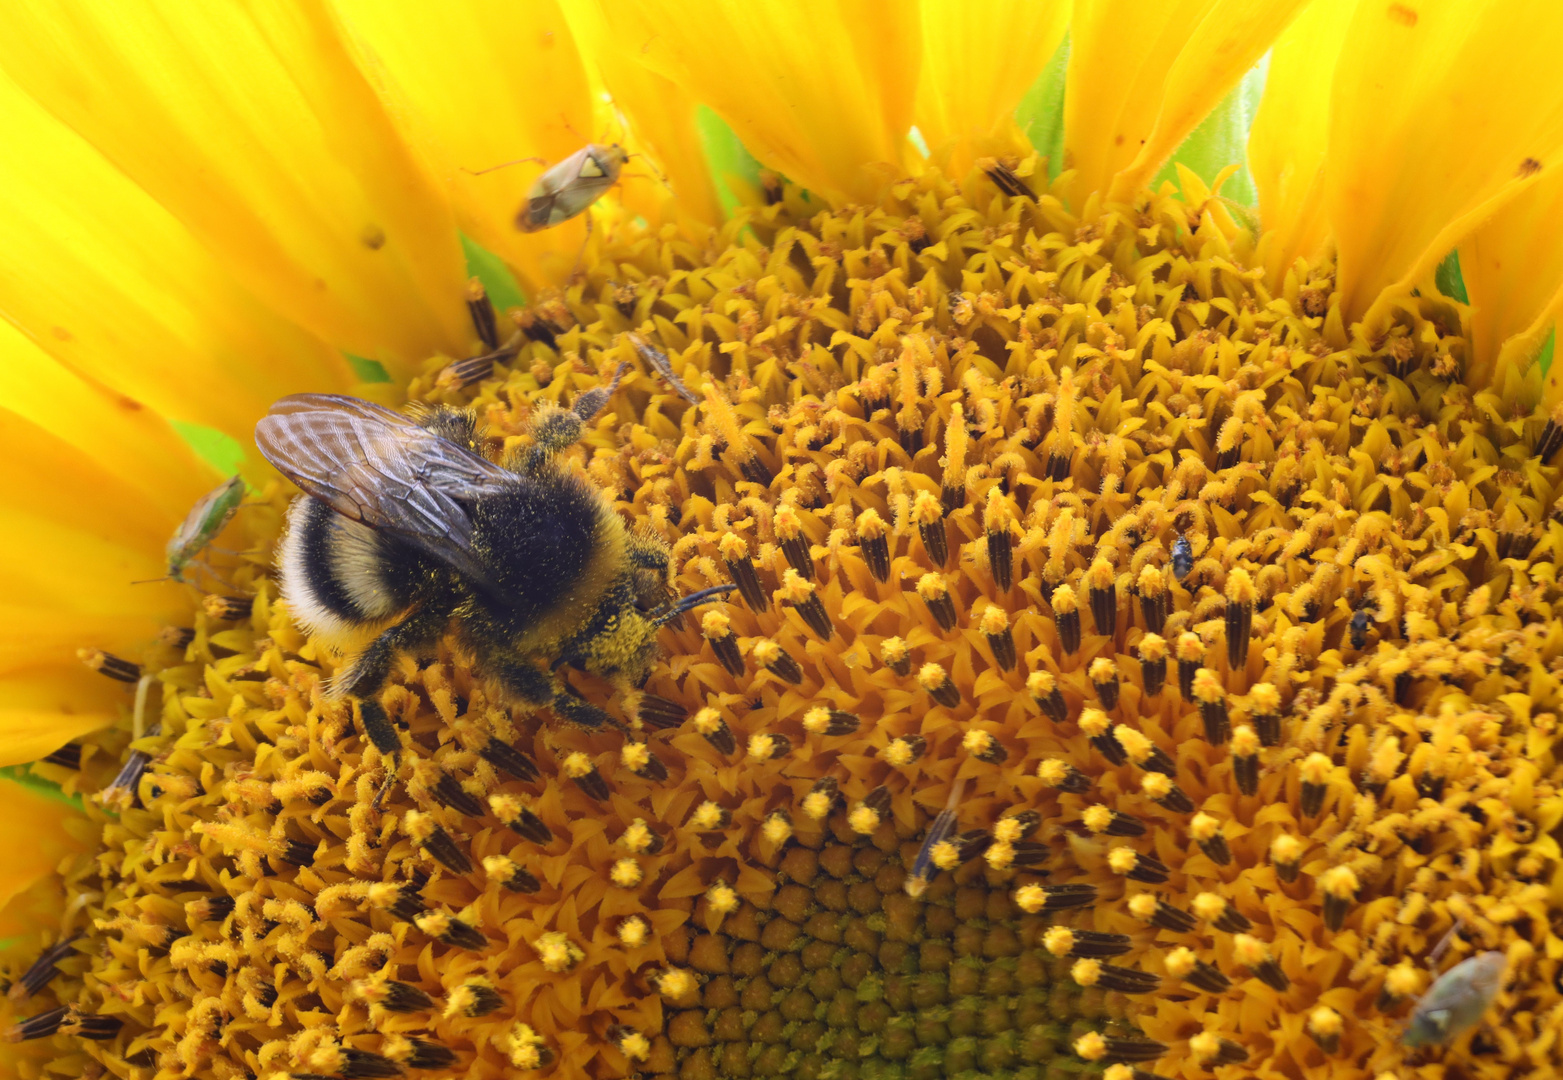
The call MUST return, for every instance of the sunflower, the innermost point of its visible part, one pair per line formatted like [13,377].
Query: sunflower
[1129,427]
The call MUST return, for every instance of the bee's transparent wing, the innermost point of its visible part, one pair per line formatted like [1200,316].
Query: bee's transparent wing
[378,467]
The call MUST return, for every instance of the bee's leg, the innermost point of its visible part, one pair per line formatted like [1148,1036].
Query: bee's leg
[537,687]
[556,430]
[365,677]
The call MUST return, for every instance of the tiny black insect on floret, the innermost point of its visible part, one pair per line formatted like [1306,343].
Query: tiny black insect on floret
[1182,558]
[403,519]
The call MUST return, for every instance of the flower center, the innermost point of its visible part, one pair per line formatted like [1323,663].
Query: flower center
[1215,624]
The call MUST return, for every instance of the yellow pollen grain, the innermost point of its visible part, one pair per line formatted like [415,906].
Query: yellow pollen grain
[557,952]
[1286,848]
[870,526]
[932,587]
[1143,905]
[525,1047]
[1030,898]
[419,826]
[634,756]
[974,741]
[1064,600]
[1240,587]
[994,621]
[1155,785]
[637,837]
[633,932]
[707,721]
[926,510]
[1340,882]
[1053,771]
[1097,818]
[1086,972]
[635,1046]
[1094,722]
[626,873]
[1203,826]
[1118,1072]
[1091,1046]
[1208,687]
[761,747]
[1206,1046]
[1403,980]
[931,676]
[1151,582]
[1325,1022]
[722,898]
[1134,743]
[1316,769]
[1245,741]
[892,650]
[577,765]
[675,984]
[1208,906]
[863,820]
[899,754]
[817,805]
[733,547]
[708,815]
[1181,962]
[1007,830]
[1190,649]
[716,625]
[766,652]
[1123,859]
[1153,647]
[945,855]
[1000,855]
[776,830]
[1249,950]
[1102,670]
[1040,684]
[1058,940]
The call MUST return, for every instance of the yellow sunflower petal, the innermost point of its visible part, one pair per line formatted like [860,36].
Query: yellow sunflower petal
[34,839]
[1144,73]
[47,703]
[1513,270]
[1442,111]
[486,82]
[124,438]
[1286,146]
[661,115]
[822,92]
[978,61]
[109,285]
[253,126]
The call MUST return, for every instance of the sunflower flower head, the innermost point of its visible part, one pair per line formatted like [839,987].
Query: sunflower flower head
[1141,655]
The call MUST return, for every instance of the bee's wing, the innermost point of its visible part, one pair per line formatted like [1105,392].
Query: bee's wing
[378,467]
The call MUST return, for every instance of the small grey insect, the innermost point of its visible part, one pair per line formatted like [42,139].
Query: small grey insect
[1182,557]
[1456,1001]
[1360,620]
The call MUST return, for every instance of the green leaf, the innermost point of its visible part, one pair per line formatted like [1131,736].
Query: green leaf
[218,449]
[1040,113]
[23,775]
[1449,280]
[725,156]
[1544,358]
[1222,139]
[368,370]
[496,277]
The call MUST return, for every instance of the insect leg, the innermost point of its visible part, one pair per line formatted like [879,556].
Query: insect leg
[556,430]
[537,687]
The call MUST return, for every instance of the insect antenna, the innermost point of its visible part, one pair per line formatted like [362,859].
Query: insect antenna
[693,600]
[503,165]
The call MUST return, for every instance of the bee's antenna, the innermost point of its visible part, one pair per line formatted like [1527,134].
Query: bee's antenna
[693,600]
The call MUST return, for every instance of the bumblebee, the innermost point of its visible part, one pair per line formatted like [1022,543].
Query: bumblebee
[406,532]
